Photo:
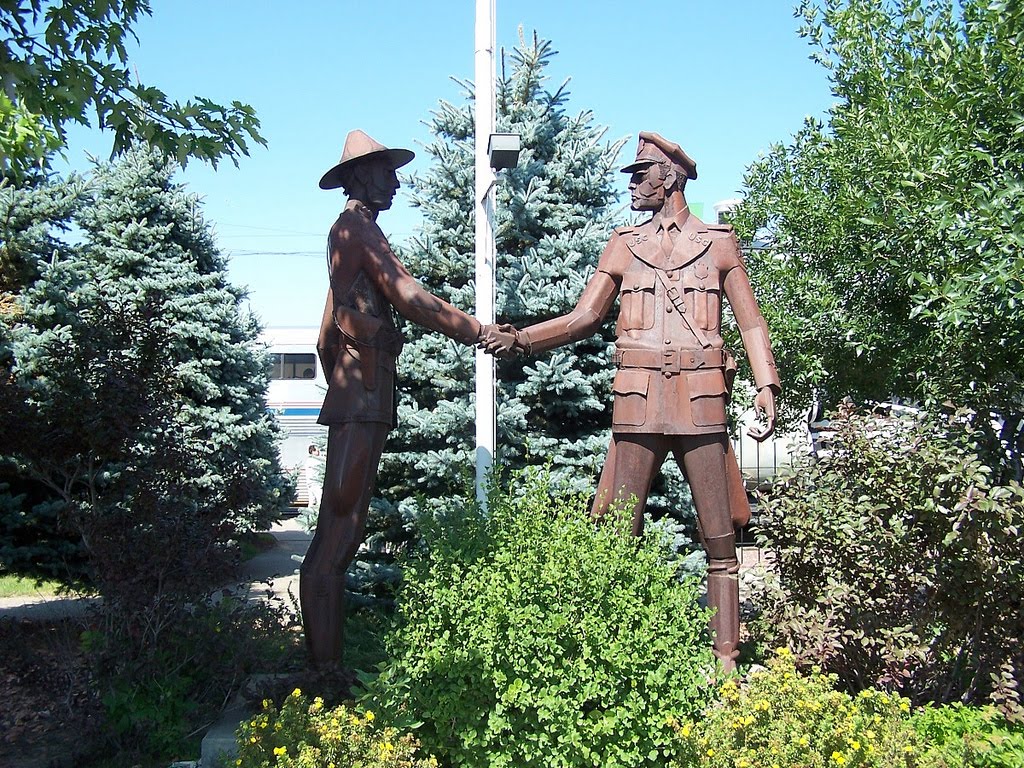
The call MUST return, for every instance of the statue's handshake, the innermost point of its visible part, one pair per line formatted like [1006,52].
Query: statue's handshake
[501,340]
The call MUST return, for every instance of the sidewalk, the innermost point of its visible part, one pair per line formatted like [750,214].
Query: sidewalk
[275,566]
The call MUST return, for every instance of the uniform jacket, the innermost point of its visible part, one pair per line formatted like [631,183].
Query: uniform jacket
[671,279]
[359,342]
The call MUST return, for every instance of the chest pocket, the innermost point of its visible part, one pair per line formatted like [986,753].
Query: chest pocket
[702,291]
[636,298]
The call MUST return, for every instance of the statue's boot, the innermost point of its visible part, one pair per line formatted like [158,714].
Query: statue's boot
[724,598]
[322,599]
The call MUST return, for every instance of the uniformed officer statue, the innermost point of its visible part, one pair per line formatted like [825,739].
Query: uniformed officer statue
[671,275]
[358,348]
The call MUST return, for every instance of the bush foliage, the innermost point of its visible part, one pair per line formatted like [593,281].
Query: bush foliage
[979,737]
[898,562]
[533,638]
[780,717]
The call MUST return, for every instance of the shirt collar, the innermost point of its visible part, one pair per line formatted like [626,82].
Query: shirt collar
[676,221]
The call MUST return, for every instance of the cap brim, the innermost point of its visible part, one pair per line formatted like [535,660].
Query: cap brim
[396,157]
[634,167]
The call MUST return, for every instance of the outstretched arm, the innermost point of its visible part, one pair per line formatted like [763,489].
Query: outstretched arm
[590,310]
[412,300]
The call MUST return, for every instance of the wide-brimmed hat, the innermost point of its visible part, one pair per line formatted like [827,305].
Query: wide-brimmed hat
[357,147]
[653,148]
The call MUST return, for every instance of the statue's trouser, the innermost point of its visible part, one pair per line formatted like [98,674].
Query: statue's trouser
[630,467]
[353,455]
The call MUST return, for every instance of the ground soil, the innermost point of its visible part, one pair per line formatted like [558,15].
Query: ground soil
[48,717]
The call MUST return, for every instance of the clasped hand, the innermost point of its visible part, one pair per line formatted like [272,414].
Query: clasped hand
[500,340]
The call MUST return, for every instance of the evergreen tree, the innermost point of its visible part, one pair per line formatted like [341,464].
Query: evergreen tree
[135,422]
[554,214]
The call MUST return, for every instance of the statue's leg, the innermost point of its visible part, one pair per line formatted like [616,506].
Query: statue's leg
[738,502]
[353,454]
[629,469]
[702,459]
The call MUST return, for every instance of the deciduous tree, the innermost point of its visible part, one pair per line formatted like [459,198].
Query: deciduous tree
[66,61]
[894,246]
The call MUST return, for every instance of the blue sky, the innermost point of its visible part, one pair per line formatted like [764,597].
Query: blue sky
[724,79]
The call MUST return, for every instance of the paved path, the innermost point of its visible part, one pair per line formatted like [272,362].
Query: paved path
[275,568]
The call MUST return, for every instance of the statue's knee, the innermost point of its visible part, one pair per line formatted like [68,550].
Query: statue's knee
[721,549]
[726,567]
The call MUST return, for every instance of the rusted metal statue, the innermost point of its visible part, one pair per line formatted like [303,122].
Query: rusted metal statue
[358,348]
[672,383]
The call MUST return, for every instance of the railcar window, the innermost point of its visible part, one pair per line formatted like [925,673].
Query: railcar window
[288,365]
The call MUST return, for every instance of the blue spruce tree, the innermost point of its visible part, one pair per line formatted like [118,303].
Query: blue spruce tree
[135,422]
[555,212]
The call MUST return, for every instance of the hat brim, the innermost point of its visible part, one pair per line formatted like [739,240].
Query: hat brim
[396,157]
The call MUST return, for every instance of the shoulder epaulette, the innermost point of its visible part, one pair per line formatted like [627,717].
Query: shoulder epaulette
[627,230]
[720,227]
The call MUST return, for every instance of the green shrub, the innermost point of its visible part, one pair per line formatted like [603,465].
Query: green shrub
[957,736]
[898,562]
[782,718]
[533,638]
[308,735]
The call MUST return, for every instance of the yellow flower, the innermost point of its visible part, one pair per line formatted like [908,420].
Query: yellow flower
[280,750]
[854,744]
[317,705]
[686,731]
[904,705]
[783,652]
[908,749]
[838,759]
[711,753]
[266,703]
[369,716]
[297,692]
[804,741]
[761,705]
[252,739]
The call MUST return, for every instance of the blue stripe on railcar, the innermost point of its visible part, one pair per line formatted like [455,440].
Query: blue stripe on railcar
[295,411]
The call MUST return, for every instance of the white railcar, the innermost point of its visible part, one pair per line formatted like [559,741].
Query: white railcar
[296,392]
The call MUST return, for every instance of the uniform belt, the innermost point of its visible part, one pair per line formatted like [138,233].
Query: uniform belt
[669,360]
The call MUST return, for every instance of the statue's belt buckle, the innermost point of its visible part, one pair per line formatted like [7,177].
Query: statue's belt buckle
[677,361]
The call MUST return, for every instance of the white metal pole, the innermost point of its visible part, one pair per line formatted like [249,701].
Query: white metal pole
[486,423]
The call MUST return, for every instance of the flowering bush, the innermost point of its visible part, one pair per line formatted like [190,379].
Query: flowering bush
[783,718]
[306,735]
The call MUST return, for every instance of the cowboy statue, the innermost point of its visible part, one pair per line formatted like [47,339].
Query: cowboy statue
[358,347]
